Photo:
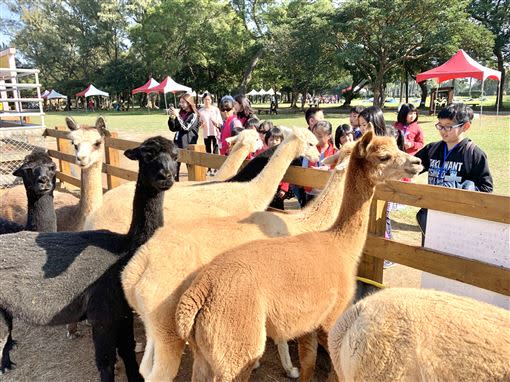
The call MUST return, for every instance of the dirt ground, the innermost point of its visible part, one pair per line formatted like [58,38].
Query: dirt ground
[44,354]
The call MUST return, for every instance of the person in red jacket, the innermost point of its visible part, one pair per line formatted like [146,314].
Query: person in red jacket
[407,123]
[323,131]
[273,138]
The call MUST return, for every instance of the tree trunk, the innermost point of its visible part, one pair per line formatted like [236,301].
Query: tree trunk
[378,92]
[501,84]
[249,70]
[303,98]
[423,87]
[294,98]
[407,86]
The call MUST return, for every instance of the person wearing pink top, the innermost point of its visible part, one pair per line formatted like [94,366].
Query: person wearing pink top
[407,123]
[231,122]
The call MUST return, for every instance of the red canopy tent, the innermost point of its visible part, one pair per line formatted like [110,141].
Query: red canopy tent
[461,66]
[147,87]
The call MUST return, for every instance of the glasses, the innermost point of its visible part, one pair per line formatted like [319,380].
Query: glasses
[447,128]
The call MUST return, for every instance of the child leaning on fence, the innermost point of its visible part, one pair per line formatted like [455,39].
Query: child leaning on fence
[273,138]
[454,161]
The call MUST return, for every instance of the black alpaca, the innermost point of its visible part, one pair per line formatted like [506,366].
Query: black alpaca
[72,276]
[39,178]
[256,165]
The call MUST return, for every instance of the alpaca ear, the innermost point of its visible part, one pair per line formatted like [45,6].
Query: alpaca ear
[133,154]
[331,160]
[285,130]
[101,127]
[364,142]
[19,171]
[71,124]
[346,151]
[232,140]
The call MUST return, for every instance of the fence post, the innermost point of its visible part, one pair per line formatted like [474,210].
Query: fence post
[197,173]
[64,146]
[112,157]
[372,267]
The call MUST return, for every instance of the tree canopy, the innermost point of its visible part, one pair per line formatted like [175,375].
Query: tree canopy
[297,46]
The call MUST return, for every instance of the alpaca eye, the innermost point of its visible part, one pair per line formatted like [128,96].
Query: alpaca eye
[385,158]
[97,144]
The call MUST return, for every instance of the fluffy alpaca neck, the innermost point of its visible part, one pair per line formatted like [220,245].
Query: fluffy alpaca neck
[267,181]
[351,225]
[231,165]
[41,215]
[147,215]
[91,190]
[321,212]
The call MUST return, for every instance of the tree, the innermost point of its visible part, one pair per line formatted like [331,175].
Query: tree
[68,40]
[378,36]
[495,16]
[193,41]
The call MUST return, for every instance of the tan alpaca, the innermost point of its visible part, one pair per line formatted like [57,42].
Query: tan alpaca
[287,287]
[71,211]
[409,334]
[153,278]
[215,199]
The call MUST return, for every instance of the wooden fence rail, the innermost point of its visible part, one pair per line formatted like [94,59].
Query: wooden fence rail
[474,204]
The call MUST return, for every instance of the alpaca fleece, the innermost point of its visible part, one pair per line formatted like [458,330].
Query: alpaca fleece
[289,287]
[404,334]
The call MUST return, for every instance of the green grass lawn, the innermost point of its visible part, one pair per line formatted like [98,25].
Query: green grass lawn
[492,134]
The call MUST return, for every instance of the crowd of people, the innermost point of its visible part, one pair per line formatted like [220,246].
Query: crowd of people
[454,161]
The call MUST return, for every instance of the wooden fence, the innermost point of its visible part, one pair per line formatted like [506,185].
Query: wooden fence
[474,204]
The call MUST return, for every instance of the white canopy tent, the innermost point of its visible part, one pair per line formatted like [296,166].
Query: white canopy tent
[90,91]
[253,92]
[272,92]
[262,92]
[53,94]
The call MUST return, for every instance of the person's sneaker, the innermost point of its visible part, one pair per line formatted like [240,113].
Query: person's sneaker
[388,264]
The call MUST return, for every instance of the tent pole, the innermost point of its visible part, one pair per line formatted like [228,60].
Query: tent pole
[435,99]
[166,106]
[497,98]
[174,98]
[481,104]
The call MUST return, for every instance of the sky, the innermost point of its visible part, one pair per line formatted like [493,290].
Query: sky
[4,14]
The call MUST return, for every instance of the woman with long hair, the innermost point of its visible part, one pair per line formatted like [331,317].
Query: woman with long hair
[184,122]
[243,108]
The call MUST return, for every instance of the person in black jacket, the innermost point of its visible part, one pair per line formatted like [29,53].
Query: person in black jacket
[455,161]
[185,123]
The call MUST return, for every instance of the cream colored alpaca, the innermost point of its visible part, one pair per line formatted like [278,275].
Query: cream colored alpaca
[153,278]
[215,199]
[71,211]
[404,334]
[285,288]
[246,142]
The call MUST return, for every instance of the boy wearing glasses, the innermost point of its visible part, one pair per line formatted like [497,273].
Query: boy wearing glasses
[456,161]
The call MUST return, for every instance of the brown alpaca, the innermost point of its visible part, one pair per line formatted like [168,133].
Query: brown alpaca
[406,334]
[154,278]
[71,211]
[289,287]
[214,199]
